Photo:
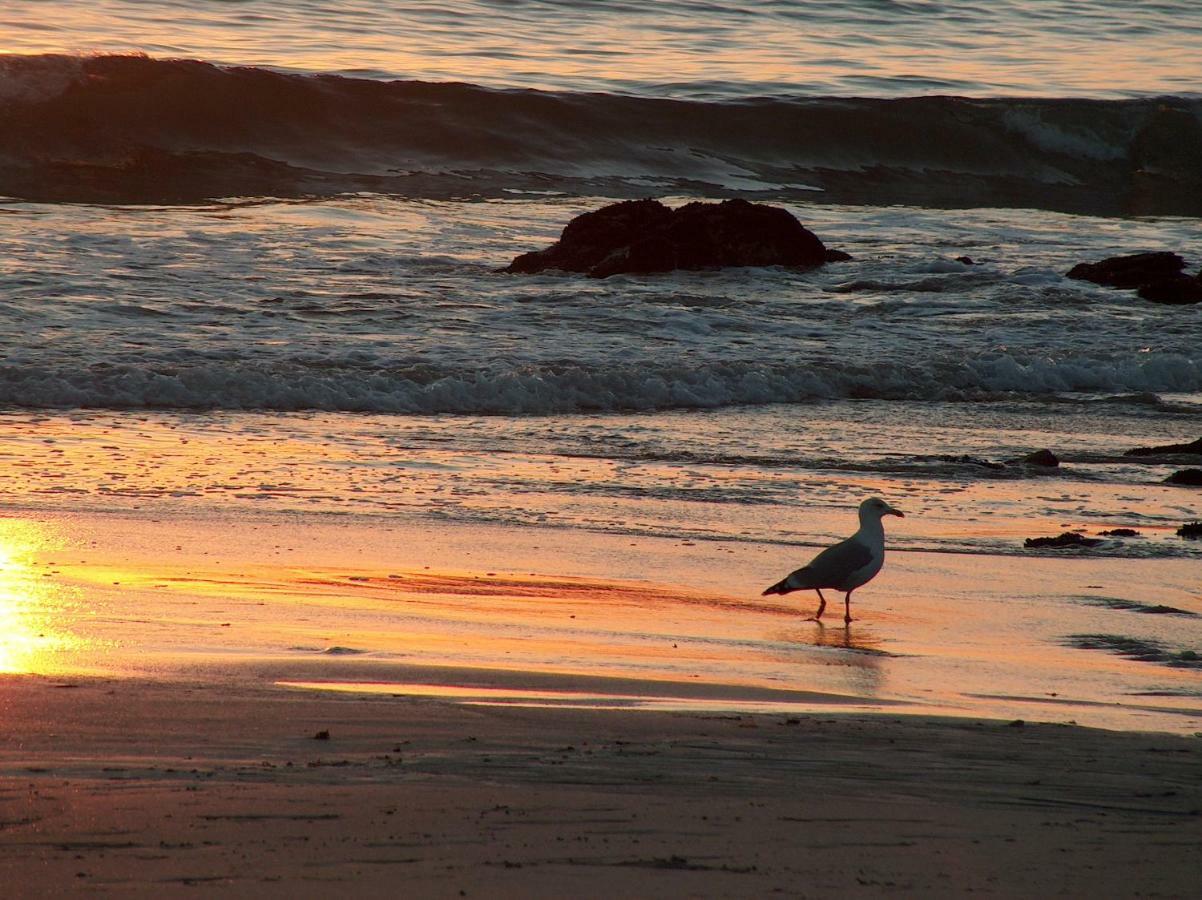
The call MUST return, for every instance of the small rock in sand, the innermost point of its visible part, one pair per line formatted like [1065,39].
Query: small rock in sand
[1186,478]
[322,736]
[1044,458]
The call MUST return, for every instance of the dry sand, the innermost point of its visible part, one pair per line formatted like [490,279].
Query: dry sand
[127,788]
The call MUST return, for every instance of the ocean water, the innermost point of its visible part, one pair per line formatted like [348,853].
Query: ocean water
[249,266]
[1089,48]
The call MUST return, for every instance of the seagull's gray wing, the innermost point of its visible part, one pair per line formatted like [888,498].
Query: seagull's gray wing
[832,566]
[829,569]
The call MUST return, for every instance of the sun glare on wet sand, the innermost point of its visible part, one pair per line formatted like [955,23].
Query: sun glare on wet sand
[35,607]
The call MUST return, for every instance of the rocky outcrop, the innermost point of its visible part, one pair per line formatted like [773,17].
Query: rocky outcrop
[1193,448]
[1180,290]
[644,236]
[1130,271]
[1159,277]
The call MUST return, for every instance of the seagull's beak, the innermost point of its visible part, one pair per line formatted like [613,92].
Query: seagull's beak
[896,512]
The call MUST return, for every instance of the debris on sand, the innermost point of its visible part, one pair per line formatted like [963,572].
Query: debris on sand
[1067,539]
[1190,530]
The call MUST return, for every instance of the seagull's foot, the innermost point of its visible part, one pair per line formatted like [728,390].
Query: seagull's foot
[847,620]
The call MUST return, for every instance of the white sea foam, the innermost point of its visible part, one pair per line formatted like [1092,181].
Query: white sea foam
[530,389]
[1063,138]
[372,304]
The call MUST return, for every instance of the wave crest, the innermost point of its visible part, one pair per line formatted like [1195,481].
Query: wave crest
[121,128]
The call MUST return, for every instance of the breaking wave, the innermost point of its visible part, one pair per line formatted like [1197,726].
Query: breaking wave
[132,129]
[565,388]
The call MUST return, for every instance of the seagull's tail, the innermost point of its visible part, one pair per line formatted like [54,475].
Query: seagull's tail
[801,580]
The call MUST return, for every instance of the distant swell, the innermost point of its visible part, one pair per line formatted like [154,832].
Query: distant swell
[542,389]
[133,129]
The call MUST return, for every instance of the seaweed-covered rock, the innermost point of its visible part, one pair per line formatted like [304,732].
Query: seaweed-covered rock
[1193,448]
[644,236]
[1119,532]
[1186,477]
[1190,530]
[1067,539]
[1130,271]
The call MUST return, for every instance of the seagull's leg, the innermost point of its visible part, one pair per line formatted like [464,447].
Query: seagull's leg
[821,605]
[847,608]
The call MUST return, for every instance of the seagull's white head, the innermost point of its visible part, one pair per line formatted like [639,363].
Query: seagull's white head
[875,509]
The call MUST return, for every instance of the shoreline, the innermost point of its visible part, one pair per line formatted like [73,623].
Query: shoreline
[135,787]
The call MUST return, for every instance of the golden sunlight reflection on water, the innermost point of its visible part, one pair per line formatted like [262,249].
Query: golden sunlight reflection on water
[34,606]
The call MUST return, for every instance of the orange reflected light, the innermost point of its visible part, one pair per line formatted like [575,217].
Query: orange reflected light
[31,604]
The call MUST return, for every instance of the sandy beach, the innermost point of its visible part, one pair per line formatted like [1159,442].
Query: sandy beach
[129,788]
[190,704]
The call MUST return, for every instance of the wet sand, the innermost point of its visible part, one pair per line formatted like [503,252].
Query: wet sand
[284,707]
[593,619]
[133,788]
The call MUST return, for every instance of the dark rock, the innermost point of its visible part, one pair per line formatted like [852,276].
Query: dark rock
[322,736]
[1186,477]
[644,236]
[966,260]
[1040,458]
[591,237]
[1179,290]
[1190,530]
[1119,532]
[1194,447]
[1068,539]
[837,255]
[1130,271]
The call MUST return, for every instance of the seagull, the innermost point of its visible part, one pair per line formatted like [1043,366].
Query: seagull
[848,564]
